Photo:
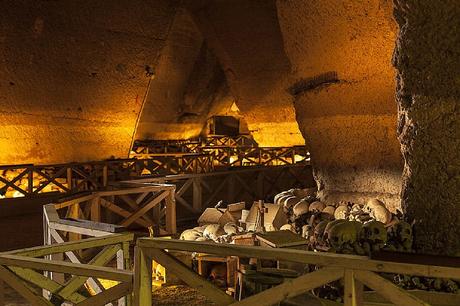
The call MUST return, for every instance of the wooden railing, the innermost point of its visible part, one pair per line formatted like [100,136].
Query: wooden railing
[257,156]
[229,141]
[22,270]
[197,192]
[35,180]
[130,205]
[356,271]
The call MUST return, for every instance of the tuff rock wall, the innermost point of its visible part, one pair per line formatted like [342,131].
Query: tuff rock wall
[349,125]
[246,38]
[427,58]
[73,75]
[189,86]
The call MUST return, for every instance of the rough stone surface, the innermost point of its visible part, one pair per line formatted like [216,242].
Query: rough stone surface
[427,58]
[349,126]
[73,74]
[162,109]
[246,38]
[188,88]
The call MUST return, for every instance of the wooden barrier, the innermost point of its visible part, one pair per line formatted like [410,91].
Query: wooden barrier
[196,192]
[257,156]
[356,271]
[34,180]
[132,204]
[21,269]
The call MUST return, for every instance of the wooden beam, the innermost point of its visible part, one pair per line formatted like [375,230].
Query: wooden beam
[96,209]
[109,295]
[66,267]
[25,291]
[100,259]
[171,226]
[43,282]
[142,278]
[72,246]
[144,209]
[294,287]
[93,283]
[353,295]
[124,213]
[388,290]
[135,205]
[194,280]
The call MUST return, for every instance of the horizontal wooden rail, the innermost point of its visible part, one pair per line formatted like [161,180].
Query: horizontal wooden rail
[73,245]
[307,257]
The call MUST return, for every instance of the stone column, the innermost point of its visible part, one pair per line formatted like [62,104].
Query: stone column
[427,57]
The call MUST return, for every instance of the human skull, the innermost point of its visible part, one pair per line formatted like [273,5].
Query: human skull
[307,231]
[319,231]
[287,227]
[403,231]
[290,202]
[316,206]
[280,200]
[371,204]
[201,239]
[190,235]
[231,228]
[344,234]
[280,195]
[328,228]
[341,212]
[212,231]
[377,211]
[200,229]
[301,208]
[330,210]
[375,232]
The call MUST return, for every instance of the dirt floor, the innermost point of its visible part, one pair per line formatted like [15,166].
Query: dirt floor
[165,296]
[179,295]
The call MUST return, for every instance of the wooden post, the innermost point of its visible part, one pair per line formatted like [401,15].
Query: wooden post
[121,265]
[2,293]
[353,295]
[74,213]
[30,181]
[171,227]
[105,176]
[142,278]
[69,178]
[156,210]
[96,209]
[46,241]
[197,194]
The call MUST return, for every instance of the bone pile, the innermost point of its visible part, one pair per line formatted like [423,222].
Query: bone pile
[350,228]
[345,227]
[212,232]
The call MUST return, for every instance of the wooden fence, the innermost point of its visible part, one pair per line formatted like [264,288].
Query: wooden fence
[355,271]
[22,270]
[131,205]
[197,192]
[35,180]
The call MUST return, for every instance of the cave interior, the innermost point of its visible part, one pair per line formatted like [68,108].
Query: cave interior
[365,93]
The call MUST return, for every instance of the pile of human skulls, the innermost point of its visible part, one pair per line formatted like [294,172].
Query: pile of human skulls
[352,228]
